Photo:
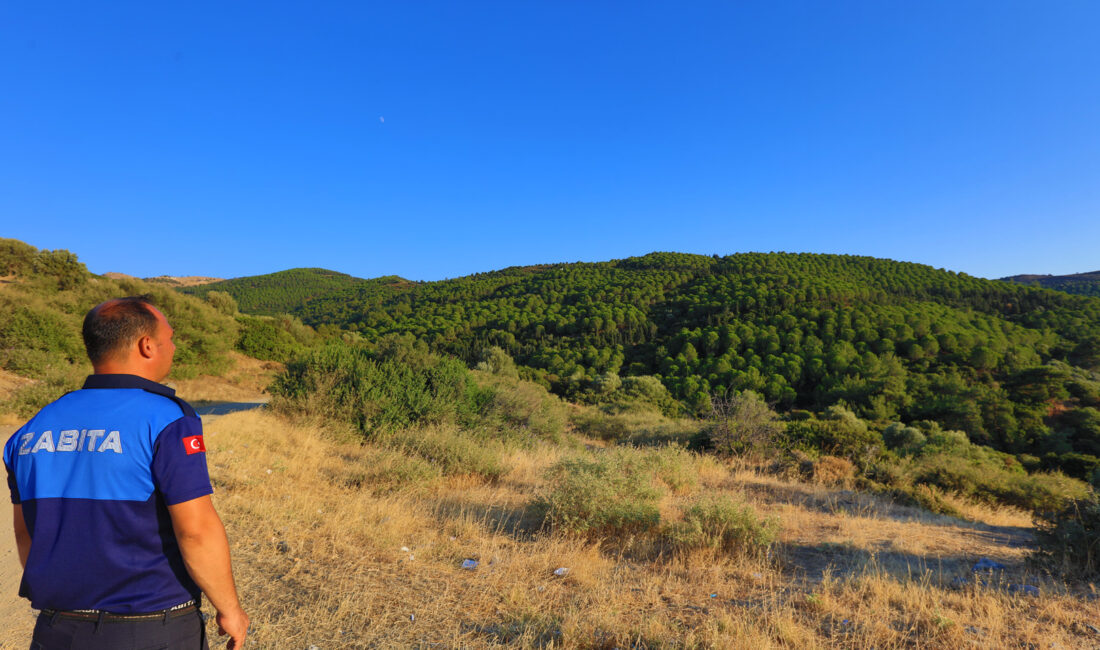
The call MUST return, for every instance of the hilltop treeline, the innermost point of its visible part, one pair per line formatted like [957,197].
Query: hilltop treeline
[286,291]
[1014,367]
[1082,284]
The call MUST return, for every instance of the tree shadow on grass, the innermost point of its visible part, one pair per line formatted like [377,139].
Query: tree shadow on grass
[520,522]
[811,564]
[871,506]
[225,408]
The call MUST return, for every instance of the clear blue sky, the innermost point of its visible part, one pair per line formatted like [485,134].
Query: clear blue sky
[437,139]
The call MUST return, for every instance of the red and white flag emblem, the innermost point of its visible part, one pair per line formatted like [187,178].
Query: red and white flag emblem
[193,445]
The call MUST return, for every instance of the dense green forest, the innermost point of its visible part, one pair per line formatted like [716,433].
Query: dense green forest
[1082,284]
[1015,367]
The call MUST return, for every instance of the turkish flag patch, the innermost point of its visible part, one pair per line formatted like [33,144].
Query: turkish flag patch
[193,445]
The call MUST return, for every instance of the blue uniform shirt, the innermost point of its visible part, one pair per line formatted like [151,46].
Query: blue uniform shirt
[94,472]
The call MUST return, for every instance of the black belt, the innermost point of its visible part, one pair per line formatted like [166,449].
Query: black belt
[189,607]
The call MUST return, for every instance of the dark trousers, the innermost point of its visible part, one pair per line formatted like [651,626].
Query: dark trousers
[180,633]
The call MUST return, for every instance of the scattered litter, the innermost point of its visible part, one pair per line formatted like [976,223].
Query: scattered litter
[453,538]
[404,549]
[986,564]
[412,618]
[560,571]
[714,595]
[282,547]
[1027,590]
[1093,629]
[313,647]
[411,557]
[540,588]
[846,622]
[268,471]
[469,565]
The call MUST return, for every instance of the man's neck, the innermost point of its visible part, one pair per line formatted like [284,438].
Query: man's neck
[115,368]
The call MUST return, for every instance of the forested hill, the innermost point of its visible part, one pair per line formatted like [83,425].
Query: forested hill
[1082,284]
[1013,366]
[288,291]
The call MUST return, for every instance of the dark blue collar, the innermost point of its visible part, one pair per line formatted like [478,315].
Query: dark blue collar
[127,381]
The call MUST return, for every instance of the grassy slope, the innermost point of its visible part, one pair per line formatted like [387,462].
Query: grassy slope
[320,558]
[43,300]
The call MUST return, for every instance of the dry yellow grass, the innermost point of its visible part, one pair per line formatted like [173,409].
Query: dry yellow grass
[327,556]
[246,379]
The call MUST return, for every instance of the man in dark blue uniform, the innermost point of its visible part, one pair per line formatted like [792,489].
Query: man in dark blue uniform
[113,519]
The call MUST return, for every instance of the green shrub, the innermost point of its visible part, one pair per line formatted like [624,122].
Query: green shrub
[1069,539]
[903,439]
[222,302]
[993,482]
[34,337]
[839,433]
[723,524]
[451,451]
[603,496]
[648,390]
[261,338]
[673,466]
[392,387]
[743,423]
[514,408]
[496,361]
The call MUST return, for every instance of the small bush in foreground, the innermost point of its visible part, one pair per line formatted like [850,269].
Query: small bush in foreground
[1069,539]
[743,423]
[507,404]
[610,495]
[723,524]
[673,466]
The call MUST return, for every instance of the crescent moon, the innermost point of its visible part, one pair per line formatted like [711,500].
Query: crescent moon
[194,443]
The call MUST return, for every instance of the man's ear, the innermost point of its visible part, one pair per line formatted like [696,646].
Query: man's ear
[146,347]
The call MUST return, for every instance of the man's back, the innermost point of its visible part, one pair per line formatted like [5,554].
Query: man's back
[112,514]
[94,472]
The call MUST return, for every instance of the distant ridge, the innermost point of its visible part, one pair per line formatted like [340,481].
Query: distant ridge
[183,281]
[173,281]
[1082,284]
[289,291]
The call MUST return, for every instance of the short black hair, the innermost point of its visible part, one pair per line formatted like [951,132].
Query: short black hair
[113,325]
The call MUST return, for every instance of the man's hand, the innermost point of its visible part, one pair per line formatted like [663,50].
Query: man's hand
[205,551]
[235,624]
